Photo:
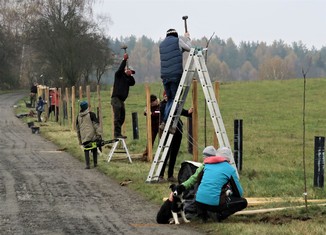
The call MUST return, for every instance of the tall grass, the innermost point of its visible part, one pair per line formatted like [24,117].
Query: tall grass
[272,114]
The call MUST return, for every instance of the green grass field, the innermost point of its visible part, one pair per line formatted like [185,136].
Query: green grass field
[272,114]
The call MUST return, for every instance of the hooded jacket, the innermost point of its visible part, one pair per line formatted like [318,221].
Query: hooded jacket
[88,128]
[216,174]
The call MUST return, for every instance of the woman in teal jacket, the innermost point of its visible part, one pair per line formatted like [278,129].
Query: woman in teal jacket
[218,180]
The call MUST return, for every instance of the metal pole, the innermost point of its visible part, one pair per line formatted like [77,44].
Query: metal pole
[319,161]
[135,125]
[238,143]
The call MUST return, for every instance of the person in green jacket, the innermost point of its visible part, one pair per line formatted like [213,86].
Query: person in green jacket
[208,151]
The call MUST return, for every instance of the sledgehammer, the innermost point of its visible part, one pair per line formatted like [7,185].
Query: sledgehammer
[185,20]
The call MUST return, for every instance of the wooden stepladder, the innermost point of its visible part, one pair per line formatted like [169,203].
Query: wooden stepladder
[195,64]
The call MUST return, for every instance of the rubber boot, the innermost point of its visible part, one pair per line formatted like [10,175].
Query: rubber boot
[87,159]
[95,157]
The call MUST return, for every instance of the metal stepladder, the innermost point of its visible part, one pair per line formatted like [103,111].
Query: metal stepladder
[195,64]
[115,145]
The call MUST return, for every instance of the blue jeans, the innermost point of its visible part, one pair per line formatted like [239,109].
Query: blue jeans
[170,88]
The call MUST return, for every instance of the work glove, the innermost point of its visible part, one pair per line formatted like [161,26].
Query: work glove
[187,35]
[125,56]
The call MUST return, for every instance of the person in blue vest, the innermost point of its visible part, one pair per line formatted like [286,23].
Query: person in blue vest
[219,189]
[171,50]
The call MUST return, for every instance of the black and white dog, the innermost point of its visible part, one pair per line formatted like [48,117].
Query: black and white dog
[169,211]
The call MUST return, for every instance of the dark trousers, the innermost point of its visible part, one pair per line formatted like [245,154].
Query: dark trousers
[222,211]
[87,159]
[170,88]
[55,110]
[33,99]
[119,115]
[172,154]
[39,113]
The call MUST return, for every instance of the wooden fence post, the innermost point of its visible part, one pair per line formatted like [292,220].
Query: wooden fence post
[80,93]
[73,108]
[100,117]
[67,105]
[88,94]
[149,124]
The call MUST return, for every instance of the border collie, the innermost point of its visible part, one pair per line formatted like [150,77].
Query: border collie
[169,211]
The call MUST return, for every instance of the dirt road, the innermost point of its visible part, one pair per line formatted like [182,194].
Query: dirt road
[45,191]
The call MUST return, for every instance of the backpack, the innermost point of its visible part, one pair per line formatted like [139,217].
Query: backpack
[188,168]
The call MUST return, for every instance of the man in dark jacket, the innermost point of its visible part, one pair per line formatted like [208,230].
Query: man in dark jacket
[123,79]
[88,132]
[171,49]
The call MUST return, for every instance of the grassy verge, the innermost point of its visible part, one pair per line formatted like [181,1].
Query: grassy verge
[272,114]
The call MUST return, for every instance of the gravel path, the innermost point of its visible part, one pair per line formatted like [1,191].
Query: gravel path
[45,191]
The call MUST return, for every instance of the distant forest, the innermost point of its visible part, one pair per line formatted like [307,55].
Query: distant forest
[227,61]
[59,43]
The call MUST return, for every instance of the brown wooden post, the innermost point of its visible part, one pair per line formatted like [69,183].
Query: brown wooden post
[98,88]
[73,108]
[47,100]
[149,124]
[60,107]
[88,94]
[195,119]
[217,96]
[67,105]
[80,93]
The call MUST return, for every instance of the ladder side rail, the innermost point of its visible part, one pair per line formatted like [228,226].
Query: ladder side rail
[185,90]
[185,87]
[166,137]
[204,85]
[156,157]
[162,158]
[213,105]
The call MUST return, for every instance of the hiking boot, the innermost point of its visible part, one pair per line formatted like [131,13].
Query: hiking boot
[172,130]
[161,127]
[172,179]
[87,167]
[161,180]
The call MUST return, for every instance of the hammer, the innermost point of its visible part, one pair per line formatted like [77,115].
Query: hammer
[185,19]
[124,47]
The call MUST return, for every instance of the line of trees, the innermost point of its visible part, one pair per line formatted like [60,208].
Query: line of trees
[227,61]
[61,43]
[56,42]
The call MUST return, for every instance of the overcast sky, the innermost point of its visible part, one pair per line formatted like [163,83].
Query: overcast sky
[241,20]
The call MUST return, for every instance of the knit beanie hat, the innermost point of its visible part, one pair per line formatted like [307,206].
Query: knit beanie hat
[172,32]
[224,152]
[209,151]
[83,105]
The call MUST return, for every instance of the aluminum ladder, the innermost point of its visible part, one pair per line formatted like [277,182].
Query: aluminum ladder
[195,65]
